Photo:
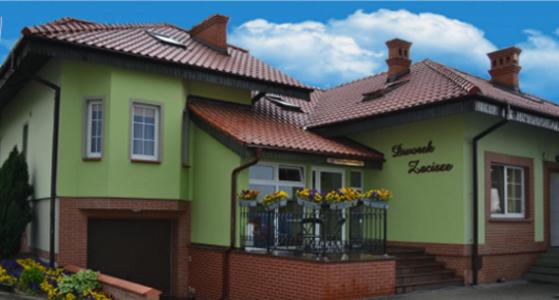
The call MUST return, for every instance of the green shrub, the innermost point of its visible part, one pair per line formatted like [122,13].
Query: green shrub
[15,211]
[30,280]
[78,283]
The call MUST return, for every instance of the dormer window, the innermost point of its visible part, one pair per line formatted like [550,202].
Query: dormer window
[277,100]
[165,39]
[389,87]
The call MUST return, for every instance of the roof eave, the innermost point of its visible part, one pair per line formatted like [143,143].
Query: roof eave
[50,47]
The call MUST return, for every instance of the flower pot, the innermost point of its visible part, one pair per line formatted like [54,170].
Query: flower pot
[282,203]
[301,201]
[378,204]
[249,203]
[344,205]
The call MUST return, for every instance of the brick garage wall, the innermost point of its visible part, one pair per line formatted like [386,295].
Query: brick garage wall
[74,214]
[206,271]
[266,277]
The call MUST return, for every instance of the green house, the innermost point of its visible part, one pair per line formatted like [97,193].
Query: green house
[140,138]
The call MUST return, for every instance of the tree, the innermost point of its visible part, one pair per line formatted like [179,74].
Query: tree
[15,210]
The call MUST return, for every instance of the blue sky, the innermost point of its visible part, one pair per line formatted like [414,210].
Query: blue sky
[327,43]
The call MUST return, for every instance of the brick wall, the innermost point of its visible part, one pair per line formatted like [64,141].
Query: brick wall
[74,214]
[206,271]
[266,277]
[255,276]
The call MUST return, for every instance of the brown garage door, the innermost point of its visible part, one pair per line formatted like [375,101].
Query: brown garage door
[135,250]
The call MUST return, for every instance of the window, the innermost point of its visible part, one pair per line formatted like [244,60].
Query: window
[94,129]
[24,140]
[356,180]
[145,132]
[507,191]
[267,178]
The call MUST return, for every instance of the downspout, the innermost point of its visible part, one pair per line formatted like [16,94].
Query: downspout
[233,219]
[476,262]
[54,162]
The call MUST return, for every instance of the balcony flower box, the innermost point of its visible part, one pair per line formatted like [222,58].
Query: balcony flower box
[248,198]
[342,198]
[248,203]
[275,200]
[375,203]
[309,198]
[376,198]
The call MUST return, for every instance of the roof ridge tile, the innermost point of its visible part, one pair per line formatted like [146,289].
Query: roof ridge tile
[454,77]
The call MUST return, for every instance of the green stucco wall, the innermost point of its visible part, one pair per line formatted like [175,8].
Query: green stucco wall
[212,167]
[426,207]
[115,175]
[513,139]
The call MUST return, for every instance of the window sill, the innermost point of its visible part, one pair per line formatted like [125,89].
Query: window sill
[145,161]
[510,220]
[91,158]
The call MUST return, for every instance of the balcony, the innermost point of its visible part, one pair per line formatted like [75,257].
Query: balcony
[318,233]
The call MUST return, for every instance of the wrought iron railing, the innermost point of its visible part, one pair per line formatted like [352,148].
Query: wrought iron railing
[320,231]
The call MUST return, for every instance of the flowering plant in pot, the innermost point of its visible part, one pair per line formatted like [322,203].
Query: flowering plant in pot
[248,197]
[310,198]
[342,198]
[275,200]
[376,198]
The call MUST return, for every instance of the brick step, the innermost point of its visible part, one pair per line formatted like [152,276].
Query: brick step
[396,251]
[407,260]
[542,277]
[544,270]
[428,284]
[420,268]
[424,277]
[546,262]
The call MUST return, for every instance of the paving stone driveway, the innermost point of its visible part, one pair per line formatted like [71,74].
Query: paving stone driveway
[514,290]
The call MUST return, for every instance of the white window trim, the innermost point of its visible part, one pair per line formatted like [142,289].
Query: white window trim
[157,139]
[505,213]
[276,182]
[89,120]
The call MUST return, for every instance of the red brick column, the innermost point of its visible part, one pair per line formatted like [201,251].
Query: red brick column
[74,214]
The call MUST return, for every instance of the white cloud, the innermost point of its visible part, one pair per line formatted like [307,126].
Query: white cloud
[341,50]
[539,61]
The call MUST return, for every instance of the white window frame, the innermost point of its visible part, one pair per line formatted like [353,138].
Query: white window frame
[505,213]
[156,134]
[316,185]
[275,181]
[89,121]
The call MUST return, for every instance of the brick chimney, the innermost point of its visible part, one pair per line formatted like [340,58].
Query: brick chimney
[505,67]
[398,58]
[212,32]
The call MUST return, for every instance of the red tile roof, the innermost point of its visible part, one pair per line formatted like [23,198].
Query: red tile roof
[134,39]
[267,127]
[428,82]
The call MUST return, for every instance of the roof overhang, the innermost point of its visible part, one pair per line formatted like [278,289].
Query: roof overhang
[467,104]
[38,47]
[245,150]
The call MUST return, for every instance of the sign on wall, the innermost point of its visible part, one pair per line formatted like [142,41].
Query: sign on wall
[416,166]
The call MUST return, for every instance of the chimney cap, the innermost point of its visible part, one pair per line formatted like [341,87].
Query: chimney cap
[397,42]
[505,51]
